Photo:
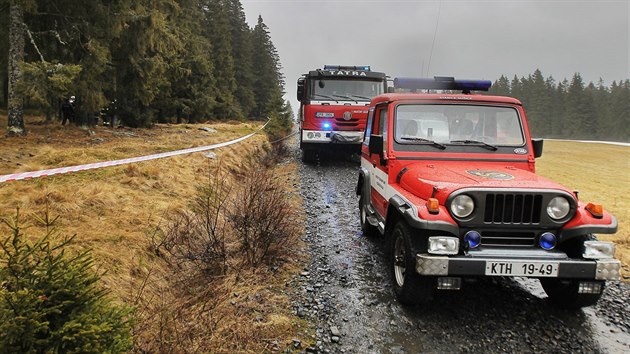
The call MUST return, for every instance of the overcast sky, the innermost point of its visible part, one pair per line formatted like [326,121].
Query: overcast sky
[474,39]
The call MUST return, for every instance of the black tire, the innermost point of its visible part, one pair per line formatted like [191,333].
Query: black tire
[308,155]
[564,293]
[366,227]
[410,287]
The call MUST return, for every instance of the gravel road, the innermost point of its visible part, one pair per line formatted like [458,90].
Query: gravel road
[346,293]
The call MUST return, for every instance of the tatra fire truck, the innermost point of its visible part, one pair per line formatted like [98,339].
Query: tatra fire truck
[449,179]
[333,106]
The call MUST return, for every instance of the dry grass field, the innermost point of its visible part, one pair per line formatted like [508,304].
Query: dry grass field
[601,173]
[113,211]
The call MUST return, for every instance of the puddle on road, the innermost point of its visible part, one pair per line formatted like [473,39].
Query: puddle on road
[610,339]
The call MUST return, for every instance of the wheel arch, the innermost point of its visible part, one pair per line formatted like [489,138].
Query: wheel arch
[363,183]
[400,208]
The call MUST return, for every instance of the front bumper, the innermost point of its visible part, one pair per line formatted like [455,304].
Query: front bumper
[328,136]
[477,265]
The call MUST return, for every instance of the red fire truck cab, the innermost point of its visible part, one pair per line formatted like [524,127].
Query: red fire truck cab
[449,180]
[333,106]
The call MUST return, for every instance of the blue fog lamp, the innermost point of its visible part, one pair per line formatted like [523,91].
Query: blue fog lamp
[547,241]
[326,126]
[473,239]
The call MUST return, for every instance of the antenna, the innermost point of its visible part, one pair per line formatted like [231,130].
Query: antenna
[437,22]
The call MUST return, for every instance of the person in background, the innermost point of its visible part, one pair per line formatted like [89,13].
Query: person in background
[67,110]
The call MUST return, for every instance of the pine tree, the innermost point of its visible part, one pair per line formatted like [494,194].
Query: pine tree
[580,109]
[516,90]
[501,87]
[268,84]
[599,95]
[140,57]
[217,27]
[539,105]
[241,40]
[561,102]
[556,110]
[191,89]
[50,301]
[620,111]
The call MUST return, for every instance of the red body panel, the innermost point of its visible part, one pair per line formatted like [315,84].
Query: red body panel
[449,176]
[355,122]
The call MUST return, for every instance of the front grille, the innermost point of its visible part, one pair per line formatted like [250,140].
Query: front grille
[513,208]
[508,238]
[340,122]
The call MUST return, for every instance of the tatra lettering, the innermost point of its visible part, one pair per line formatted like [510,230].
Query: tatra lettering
[346,73]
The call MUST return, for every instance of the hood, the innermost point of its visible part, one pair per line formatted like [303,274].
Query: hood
[421,178]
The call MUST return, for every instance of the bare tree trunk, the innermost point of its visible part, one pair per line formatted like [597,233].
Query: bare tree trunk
[16,57]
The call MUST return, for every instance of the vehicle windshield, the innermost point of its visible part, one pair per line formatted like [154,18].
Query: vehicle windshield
[458,124]
[346,90]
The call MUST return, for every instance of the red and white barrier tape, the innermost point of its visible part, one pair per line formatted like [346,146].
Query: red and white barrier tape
[91,166]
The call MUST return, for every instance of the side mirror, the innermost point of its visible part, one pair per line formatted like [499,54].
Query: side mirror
[300,89]
[538,147]
[376,144]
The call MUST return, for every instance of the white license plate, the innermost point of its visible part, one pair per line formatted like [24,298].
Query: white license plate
[522,269]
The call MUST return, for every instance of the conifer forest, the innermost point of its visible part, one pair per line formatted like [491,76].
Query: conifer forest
[571,109]
[150,61]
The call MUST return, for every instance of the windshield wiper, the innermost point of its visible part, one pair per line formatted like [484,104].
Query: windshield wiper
[428,141]
[477,142]
[347,97]
[364,97]
[325,96]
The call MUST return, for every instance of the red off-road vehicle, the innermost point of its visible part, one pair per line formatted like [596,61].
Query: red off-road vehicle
[449,180]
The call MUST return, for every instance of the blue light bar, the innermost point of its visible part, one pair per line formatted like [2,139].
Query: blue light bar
[347,67]
[441,83]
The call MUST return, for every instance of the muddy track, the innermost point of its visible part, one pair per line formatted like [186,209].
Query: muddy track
[346,293]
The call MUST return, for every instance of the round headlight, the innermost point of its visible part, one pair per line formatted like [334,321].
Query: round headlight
[462,206]
[558,208]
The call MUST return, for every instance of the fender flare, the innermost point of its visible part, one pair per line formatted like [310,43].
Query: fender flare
[363,185]
[566,234]
[409,214]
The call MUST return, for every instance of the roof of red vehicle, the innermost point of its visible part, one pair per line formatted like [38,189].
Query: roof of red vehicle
[388,97]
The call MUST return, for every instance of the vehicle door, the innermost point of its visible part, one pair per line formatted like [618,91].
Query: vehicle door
[378,163]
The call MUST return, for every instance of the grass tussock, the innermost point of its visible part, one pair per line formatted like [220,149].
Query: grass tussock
[112,211]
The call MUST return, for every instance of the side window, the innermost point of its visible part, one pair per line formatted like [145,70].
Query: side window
[380,117]
[382,122]
[368,127]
